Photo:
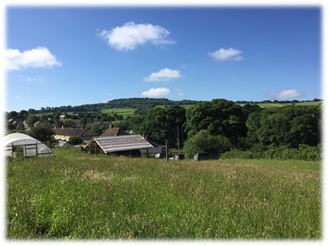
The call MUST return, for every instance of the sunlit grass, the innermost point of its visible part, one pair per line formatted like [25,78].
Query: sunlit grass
[77,196]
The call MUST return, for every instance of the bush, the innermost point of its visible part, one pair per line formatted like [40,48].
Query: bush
[203,141]
[260,151]
[75,140]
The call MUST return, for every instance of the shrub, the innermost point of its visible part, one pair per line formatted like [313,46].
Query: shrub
[260,151]
[75,140]
[203,141]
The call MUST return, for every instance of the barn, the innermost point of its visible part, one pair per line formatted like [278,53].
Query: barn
[31,146]
[119,145]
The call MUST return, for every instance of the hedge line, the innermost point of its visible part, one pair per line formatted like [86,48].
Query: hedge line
[259,151]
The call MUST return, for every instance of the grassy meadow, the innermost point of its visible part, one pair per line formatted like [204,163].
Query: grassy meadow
[79,196]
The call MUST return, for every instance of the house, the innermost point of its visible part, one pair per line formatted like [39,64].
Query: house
[119,145]
[18,124]
[42,122]
[62,117]
[65,133]
[116,131]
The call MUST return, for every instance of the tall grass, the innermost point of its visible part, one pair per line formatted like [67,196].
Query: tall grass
[77,196]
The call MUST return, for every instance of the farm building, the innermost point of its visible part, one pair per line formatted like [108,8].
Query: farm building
[31,146]
[119,145]
[157,148]
[66,133]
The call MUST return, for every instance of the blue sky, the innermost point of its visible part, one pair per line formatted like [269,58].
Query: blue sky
[58,56]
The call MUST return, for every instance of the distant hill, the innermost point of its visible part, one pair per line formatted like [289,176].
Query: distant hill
[149,103]
[135,103]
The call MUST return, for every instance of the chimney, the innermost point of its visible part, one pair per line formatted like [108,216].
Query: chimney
[62,126]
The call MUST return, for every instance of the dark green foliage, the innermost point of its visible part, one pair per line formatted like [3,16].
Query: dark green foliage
[219,117]
[261,151]
[42,132]
[31,119]
[161,125]
[99,128]
[69,122]
[287,126]
[203,141]
[75,140]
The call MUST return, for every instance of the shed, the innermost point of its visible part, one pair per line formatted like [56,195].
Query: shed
[31,146]
[121,145]
[157,148]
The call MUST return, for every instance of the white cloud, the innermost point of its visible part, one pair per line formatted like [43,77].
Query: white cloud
[130,35]
[164,75]
[39,57]
[286,94]
[159,92]
[180,93]
[38,79]
[226,55]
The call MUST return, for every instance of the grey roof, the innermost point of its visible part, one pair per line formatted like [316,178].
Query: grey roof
[121,143]
[114,132]
[74,132]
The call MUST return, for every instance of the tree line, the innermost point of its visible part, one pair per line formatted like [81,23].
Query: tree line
[142,104]
[220,126]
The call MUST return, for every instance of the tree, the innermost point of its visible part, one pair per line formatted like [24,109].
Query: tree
[99,128]
[135,122]
[219,117]
[31,119]
[42,132]
[13,114]
[203,141]
[161,124]
[23,114]
[75,140]
[69,122]
[305,130]
[32,111]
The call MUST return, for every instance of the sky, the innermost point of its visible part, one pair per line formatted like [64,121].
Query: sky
[74,55]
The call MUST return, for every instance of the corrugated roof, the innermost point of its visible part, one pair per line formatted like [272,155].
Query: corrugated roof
[121,143]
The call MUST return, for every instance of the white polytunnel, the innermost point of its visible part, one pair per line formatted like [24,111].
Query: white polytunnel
[31,146]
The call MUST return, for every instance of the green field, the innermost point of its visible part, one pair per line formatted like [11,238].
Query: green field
[119,111]
[77,196]
[278,105]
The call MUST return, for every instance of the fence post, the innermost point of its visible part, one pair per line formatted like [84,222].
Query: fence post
[166,152]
